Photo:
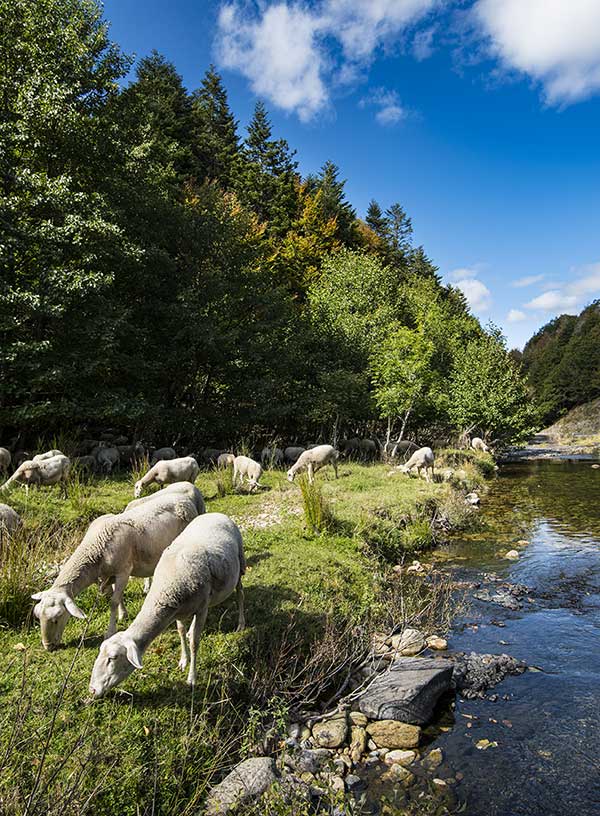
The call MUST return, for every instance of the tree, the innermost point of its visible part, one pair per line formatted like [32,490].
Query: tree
[334,203]
[376,220]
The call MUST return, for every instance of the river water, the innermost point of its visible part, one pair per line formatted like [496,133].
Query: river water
[547,759]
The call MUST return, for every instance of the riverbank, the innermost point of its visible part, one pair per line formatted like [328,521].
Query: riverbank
[313,601]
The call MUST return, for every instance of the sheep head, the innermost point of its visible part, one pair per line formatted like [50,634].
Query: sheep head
[137,490]
[291,474]
[117,659]
[53,610]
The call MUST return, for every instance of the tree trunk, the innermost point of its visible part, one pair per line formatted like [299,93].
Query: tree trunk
[402,429]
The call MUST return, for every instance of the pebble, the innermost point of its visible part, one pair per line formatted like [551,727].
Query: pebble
[512,555]
[400,757]
[437,643]
[433,759]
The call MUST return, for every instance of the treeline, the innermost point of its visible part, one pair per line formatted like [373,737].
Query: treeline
[562,362]
[166,274]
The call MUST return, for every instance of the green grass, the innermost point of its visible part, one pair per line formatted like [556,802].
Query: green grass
[150,747]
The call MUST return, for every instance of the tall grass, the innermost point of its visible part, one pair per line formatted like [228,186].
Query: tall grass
[317,513]
[224,481]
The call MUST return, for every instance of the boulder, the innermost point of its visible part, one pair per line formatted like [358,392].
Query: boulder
[331,733]
[408,692]
[394,734]
[475,673]
[248,780]
[410,642]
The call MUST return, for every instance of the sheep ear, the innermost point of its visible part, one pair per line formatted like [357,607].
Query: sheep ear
[133,654]
[74,609]
[37,596]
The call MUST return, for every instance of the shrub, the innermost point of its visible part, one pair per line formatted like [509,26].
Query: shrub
[317,513]
[224,481]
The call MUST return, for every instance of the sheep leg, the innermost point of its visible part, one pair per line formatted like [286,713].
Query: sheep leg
[194,638]
[147,583]
[116,603]
[185,652]
[239,592]
[334,465]
[311,477]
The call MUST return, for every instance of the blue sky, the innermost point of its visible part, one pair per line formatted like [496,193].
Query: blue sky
[481,117]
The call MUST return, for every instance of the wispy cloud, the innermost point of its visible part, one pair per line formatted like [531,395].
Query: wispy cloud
[389,109]
[529,280]
[477,294]
[572,296]
[516,316]
[463,273]
[554,42]
[284,47]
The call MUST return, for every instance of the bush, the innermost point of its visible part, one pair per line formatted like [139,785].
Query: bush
[317,513]
[390,536]
[455,458]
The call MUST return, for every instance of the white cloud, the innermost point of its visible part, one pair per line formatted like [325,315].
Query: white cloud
[390,111]
[463,273]
[555,42]
[529,280]
[477,294]
[515,316]
[282,47]
[552,301]
[572,296]
[422,46]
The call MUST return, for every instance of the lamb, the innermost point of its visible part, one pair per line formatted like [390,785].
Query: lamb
[244,467]
[47,471]
[478,444]
[162,454]
[313,460]
[422,459]
[9,520]
[106,458]
[292,454]
[5,459]
[271,457]
[200,569]
[115,547]
[184,469]
[225,460]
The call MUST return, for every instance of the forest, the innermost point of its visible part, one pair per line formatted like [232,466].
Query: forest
[169,274]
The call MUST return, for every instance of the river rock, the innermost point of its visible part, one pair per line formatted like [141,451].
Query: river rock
[354,783]
[358,718]
[358,742]
[433,759]
[437,643]
[410,642]
[331,733]
[307,760]
[248,780]
[397,773]
[394,734]
[407,692]
[399,757]
[512,555]
[475,673]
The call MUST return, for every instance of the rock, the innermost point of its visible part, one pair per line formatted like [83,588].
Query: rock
[394,734]
[354,783]
[475,673]
[371,745]
[358,718]
[398,774]
[331,733]
[439,783]
[512,555]
[407,692]
[410,642]
[437,643]
[358,743]
[248,780]
[447,474]
[334,782]
[307,760]
[473,499]
[398,757]
[433,759]
[416,567]
[595,467]
[522,543]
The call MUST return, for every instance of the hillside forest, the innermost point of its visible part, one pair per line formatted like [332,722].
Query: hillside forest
[166,272]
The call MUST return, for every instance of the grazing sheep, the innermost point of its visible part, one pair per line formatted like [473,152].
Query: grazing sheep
[9,520]
[106,458]
[350,448]
[114,548]
[244,467]
[478,444]
[210,456]
[313,460]
[131,454]
[271,457]
[184,489]
[5,459]
[19,457]
[225,460]
[184,469]
[368,450]
[48,455]
[201,568]
[161,455]
[292,454]
[85,464]
[422,459]
[47,471]
[401,448]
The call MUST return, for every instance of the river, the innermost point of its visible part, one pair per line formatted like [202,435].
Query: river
[547,759]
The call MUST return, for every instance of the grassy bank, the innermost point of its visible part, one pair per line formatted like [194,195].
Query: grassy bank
[312,601]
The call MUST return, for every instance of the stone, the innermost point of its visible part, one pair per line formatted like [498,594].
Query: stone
[358,718]
[307,760]
[394,734]
[410,642]
[333,782]
[398,774]
[475,673]
[407,692]
[354,783]
[437,643]
[358,742]
[440,783]
[473,499]
[433,759]
[399,757]
[522,542]
[595,467]
[512,555]
[248,780]
[331,733]
[416,567]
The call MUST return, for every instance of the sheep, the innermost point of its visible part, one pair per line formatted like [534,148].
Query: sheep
[85,464]
[201,568]
[402,447]
[368,450]
[9,520]
[48,455]
[422,459]
[210,456]
[131,454]
[161,455]
[244,467]
[292,454]
[115,547]
[19,457]
[5,459]
[271,457]
[313,460]
[479,445]
[47,471]
[106,458]
[184,469]
[225,460]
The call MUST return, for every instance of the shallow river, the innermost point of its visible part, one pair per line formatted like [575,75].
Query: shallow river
[547,759]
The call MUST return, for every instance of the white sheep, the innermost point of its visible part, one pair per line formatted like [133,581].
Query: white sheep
[45,471]
[185,489]
[292,454]
[40,457]
[184,469]
[9,520]
[313,460]
[162,454]
[244,467]
[201,568]
[423,459]
[114,548]
[225,460]
[478,444]
[5,459]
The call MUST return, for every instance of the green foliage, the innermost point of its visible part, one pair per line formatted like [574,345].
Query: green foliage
[316,510]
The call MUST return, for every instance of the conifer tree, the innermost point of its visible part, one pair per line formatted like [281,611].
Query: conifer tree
[334,202]
[376,220]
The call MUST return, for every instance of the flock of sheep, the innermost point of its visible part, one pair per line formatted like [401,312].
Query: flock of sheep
[196,558]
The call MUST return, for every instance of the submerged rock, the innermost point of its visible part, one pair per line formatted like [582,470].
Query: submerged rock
[248,780]
[475,673]
[407,692]
[394,734]
[512,555]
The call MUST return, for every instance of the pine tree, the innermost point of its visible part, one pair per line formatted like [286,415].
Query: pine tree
[400,229]
[334,202]
[215,143]
[376,220]
[421,265]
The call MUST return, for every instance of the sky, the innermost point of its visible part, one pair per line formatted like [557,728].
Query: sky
[481,117]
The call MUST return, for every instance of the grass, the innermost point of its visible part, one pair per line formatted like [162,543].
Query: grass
[151,747]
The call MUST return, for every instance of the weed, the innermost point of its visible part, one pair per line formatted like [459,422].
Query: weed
[317,513]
